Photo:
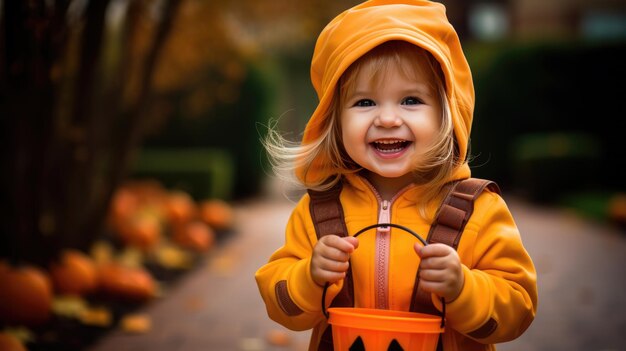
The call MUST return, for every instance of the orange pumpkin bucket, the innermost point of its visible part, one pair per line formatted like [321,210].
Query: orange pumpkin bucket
[374,329]
[383,329]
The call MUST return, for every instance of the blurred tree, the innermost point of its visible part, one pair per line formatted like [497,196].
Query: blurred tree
[68,138]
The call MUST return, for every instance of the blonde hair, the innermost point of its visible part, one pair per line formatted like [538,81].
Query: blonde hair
[433,166]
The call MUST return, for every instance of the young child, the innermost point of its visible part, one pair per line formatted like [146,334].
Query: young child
[392,128]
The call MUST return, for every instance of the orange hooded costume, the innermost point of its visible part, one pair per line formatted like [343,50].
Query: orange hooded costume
[499,297]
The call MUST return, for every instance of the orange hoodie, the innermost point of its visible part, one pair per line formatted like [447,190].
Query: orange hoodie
[499,297]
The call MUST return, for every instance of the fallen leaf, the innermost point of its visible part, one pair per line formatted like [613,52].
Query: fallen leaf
[278,337]
[136,323]
[68,306]
[175,258]
[96,316]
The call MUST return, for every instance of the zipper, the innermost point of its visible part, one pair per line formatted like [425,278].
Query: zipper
[382,256]
[384,216]
[382,244]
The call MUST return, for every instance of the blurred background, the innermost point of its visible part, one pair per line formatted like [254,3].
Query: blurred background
[130,137]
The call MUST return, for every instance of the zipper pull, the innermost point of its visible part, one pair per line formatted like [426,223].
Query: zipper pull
[383,216]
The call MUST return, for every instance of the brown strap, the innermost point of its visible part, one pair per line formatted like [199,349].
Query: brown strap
[448,226]
[327,213]
[328,218]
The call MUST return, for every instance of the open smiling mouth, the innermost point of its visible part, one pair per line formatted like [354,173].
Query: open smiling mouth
[390,146]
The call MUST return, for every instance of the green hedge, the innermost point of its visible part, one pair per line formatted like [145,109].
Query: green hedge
[202,172]
[548,89]
[230,127]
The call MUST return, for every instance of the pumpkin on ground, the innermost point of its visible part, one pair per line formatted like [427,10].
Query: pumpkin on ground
[617,208]
[128,283]
[180,207]
[216,213]
[124,203]
[194,235]
[25,295]
[143,231]
[73,274]
[9,342]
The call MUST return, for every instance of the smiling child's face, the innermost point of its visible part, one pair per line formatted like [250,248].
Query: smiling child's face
[386,123]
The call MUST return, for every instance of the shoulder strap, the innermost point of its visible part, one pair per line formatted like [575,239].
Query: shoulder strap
[327,212]
[328,218]
[448,226]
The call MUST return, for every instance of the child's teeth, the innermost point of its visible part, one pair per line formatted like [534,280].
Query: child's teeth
[390,146]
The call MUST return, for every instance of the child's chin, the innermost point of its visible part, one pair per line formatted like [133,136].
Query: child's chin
[393,173]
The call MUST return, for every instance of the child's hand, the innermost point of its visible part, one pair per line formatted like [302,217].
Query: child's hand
[440,270]
[330,258]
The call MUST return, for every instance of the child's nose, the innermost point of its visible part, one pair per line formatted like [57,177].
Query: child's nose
[388,117]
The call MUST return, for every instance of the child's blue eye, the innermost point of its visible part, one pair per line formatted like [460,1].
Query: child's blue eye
[365,103]
[411,100]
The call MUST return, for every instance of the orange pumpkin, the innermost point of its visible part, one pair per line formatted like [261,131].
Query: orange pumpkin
[180,207]
[133,284]
[136,214]
[617,208]
[147,190]
[195,235]
[124,204]
[143,231]
[151,196]
[9,342]
[216,213]
[74,273]
[25,295]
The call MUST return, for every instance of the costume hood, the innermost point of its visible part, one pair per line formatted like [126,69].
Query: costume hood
[360,29]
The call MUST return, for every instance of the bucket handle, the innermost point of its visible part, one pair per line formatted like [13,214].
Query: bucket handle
[378,225]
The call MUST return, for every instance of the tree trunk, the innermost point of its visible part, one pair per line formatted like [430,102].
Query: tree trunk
[61,169]
[27,119]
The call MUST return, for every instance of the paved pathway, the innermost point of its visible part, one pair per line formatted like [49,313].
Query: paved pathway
[581,268]
[582,288]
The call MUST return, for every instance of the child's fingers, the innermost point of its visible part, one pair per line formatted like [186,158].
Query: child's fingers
[448,288]
[440,271]
[343,244]
[331,258]
[418,248]
[436,263]
[335,254]
[333,277]
[324,270]
[433,250]
[352,241]
[333,265]
[335,249]
[435,275]
[329,271]
[321,275]
[432,286]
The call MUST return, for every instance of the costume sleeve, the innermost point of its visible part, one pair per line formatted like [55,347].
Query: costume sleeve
[291,296]
[499,296]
